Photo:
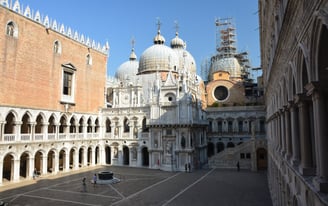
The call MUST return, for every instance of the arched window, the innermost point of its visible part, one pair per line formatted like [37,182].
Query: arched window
[57,47]
[183,141]
[11,29]
[126,125]
[89,59]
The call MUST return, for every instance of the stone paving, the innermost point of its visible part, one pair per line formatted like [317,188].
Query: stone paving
[141,186]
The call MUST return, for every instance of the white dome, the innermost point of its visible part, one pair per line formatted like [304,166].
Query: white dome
[176,42]
[158,58]
[129,69]
[229,64]
[186,60]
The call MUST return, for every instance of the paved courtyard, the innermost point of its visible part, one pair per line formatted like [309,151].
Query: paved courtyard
[139,186]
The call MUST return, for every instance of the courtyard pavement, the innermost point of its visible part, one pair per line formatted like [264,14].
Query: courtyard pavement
[143,187]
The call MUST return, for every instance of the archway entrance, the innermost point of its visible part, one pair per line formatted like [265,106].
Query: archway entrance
[72,156]
[126,153]
[51,161]
[24,165]
[108,155]
[145,156]
[230,145]
[210,149]
[219,147]
[262,162]
[81,157]
[62,160]
[8,165]
[89,156]
[97,155]
[38,162]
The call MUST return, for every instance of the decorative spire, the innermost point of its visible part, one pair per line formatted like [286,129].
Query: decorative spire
[176,28]
[158,25]
[133,56]
[159,39]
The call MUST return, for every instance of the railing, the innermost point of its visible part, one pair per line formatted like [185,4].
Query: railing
[9,137]
[50,137]
[38,137]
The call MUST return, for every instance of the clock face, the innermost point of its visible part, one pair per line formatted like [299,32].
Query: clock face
[221,93]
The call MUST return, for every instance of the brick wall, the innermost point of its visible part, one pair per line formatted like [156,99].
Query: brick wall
[31,73]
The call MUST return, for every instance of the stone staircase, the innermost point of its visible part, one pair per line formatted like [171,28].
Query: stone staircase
[229,157]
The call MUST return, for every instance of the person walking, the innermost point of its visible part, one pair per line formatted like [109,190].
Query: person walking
[94,180]
[84,185]
[35,174]
[238,166]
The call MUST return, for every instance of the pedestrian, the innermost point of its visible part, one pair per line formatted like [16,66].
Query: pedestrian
[186,167]
[94,180]
[238,166]
[84,185]
[35,173]
[189,167]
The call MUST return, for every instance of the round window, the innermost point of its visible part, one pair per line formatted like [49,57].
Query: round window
[221,93]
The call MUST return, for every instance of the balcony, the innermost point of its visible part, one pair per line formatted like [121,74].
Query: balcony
[12,138]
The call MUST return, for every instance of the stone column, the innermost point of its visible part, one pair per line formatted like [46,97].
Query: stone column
[287,133]
[2,129]
[76,159]
[17,130]
[33,130]
[282,132]
[66,162]
[93,156]
[1,171]
[305,143]
[321,134]
[295,134]
[44,164]
[30,167]
[15,170]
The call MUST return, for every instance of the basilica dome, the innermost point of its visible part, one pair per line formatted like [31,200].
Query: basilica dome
[158,57]
[228,64]
[129,69]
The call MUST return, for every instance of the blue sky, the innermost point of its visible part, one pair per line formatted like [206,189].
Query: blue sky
[120,21]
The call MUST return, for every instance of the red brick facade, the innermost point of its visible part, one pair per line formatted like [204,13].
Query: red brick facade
[31,73]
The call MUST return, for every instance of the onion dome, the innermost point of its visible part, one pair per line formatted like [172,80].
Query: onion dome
[158,57]
[186,60]
[229,64]
[176,42]
[128,70]
[159,39]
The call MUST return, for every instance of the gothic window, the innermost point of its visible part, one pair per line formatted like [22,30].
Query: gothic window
[126,125]
[240,126]
[108,126]
[89,59]
[210,126]
[262,126]
[57,47]
[183,142]
[144,126]
[220,126]
[11,29]
[229,126]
